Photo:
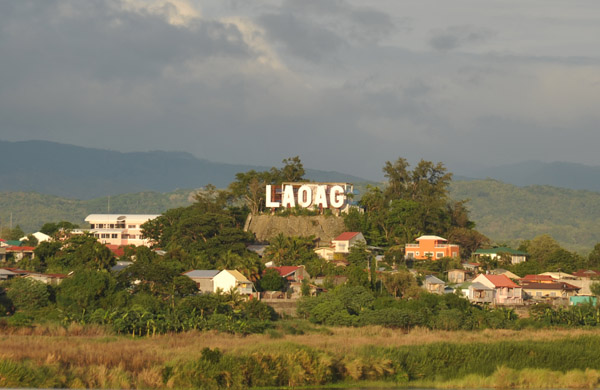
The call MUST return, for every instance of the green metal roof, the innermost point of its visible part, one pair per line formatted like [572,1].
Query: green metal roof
[13,242]
[502,249]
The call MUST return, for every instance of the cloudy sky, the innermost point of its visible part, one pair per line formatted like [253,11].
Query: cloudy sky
[345,84]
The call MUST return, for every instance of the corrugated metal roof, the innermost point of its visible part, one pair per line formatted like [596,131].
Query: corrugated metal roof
[120,217]
[346,236]
[202,273]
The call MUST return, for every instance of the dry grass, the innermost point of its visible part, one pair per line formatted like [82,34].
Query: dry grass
[506,378]
[91,347]
[101,360]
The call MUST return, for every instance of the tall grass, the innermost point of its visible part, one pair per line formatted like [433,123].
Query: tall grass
[310,356]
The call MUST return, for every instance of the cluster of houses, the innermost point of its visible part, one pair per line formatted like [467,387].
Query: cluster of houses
[502,287]
[498,287]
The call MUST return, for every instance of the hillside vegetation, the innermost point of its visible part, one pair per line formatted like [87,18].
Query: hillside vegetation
[510,214]
[31,210]
[503,212]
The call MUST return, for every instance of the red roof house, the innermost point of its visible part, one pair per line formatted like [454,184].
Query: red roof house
[506,292]
[347,240]
[292,273]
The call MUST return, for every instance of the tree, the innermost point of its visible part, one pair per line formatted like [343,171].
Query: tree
[12,234]
[293,170]
[595,288]
[540,248]
[52,228]
[79,251]
[28,294]
[594,257]
[271,281]
[401,284]
[85,291]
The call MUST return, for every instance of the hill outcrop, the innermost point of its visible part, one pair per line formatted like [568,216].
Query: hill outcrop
[323,227]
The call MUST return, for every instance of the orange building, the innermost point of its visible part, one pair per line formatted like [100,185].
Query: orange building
[430,247]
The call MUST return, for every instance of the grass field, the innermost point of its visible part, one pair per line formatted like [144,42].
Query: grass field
[92,357]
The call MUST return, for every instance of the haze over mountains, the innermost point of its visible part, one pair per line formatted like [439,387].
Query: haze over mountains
[86,173]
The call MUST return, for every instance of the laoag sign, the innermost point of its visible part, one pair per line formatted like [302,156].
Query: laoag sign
[309,195]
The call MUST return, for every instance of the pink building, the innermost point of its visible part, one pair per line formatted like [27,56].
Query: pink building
[119,229]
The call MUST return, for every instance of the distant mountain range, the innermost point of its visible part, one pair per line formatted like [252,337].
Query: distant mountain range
[85,173]
[556,174]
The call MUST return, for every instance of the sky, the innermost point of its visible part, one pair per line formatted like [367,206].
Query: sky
[344,84]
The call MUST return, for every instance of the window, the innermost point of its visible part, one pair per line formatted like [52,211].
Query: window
[410,255]
[125,236]
[131,226]
[439,255]
[96,235]
[417,253]
[112,225]
[105,235]
[100,226]
[115,235]
[553,294]
[538,293]
[91,225]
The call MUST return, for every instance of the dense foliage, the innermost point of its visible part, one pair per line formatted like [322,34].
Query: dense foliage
[413,203]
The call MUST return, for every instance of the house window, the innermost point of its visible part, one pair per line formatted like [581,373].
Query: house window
[114,235]
[538,293]
[112,225]
[342,247]
[131,226]
[428,254]
[439,255]
[96,235]
[553,294]
[410,255]
[91,225]
[100,226]
[417,253]
[125,236]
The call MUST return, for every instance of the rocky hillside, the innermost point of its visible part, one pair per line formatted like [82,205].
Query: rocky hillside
[267,226]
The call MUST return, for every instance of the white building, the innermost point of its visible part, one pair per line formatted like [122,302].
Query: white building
[118,229]
[345,241]
[228,279]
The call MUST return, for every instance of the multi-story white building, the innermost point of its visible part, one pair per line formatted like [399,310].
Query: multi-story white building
[119,229]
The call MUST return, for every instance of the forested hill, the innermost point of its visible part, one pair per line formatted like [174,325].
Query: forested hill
[31,210]
[503,212]
[86,173]
[507,213]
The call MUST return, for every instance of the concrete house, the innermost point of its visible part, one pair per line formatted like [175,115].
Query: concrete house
[508,255]
[204,279]
[430,247]
[228,279]
[292,273]
[346,240]
[506,292]
[457,276]
[118,229]
[550,291]
[434,285]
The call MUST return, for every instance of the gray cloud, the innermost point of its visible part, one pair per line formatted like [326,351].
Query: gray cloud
[303,39]
[344,86]
[458,36]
